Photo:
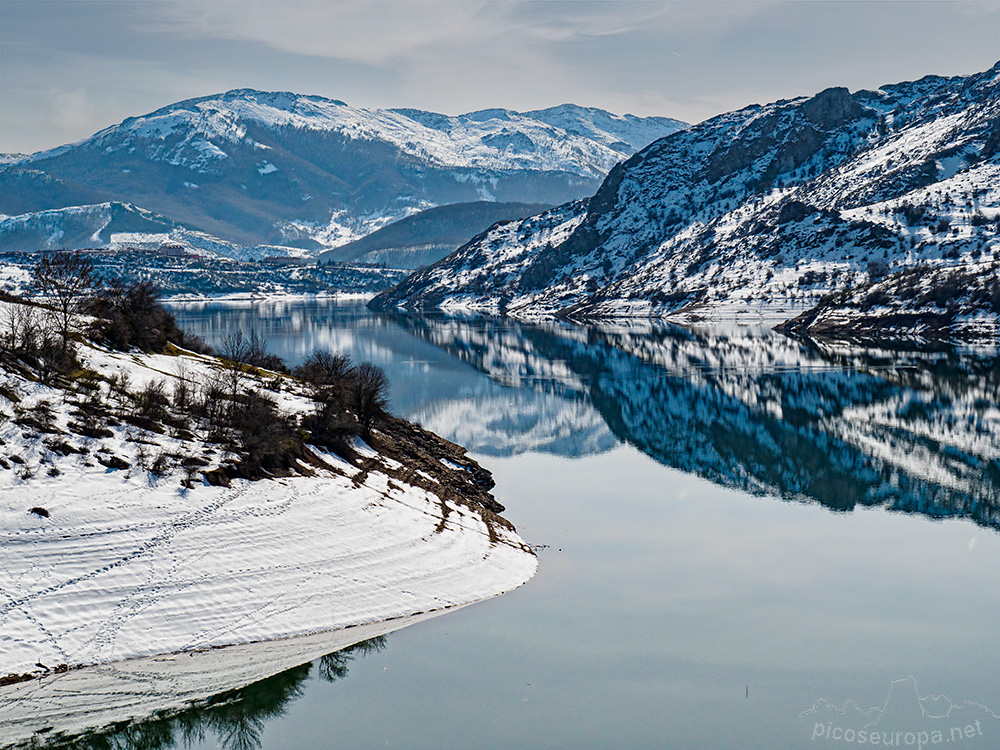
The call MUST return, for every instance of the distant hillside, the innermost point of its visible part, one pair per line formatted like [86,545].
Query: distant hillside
[761,211]
[430,235]
[119,226]
[278,168]
[78,227]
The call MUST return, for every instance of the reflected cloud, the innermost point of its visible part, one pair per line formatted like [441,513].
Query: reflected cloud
[519,422]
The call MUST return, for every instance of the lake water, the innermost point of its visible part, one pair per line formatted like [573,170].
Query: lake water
[746,541]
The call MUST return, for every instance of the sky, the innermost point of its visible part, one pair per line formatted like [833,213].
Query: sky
[69,68]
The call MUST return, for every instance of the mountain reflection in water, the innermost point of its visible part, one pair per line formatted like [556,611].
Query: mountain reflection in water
[907,429]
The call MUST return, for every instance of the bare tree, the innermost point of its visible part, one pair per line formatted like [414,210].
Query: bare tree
[371,393]
[31,337]
[21,331]
[235,353]
[66,280]
[324,368]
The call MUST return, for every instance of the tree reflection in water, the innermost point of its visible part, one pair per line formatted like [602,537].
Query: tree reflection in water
[236,717]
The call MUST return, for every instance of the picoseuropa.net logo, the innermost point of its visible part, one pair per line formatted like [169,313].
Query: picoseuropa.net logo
[920,739]
[905,720]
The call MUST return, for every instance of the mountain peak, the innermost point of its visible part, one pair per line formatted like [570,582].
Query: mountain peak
[275,167]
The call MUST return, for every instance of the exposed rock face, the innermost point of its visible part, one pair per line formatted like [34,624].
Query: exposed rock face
[795,211]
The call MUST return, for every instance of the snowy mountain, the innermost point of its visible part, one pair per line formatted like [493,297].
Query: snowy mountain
[623,133]
[254,167]
[763,210]
[841,426]
[78,227]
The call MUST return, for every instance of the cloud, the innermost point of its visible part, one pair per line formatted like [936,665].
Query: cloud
[374,32]
[380,31]
[456,56]
[94,63]
[71,111]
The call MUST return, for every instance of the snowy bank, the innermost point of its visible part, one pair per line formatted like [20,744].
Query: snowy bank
[127,567]
[113,546]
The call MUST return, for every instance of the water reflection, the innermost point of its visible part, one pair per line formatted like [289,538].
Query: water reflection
[230,693]
[910,430]
[428,385]
[236,718]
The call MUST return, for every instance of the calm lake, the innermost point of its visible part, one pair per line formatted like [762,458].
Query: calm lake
[745,541]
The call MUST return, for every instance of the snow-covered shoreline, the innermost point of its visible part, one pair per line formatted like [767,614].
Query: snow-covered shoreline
[127,567]
[257,297]
[110,549]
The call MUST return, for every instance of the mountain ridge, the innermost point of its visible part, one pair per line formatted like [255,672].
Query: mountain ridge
[279,168]
[763,210]
[428,236]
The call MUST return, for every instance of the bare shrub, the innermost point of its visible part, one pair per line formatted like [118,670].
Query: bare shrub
[182,387]
[262,435]
[150,406]
[324,368]
[160,464]
[212,403]
[251,350]
[118,393]
[370,393]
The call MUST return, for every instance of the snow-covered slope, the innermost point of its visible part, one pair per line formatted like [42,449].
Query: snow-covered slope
[761,210]
[958,302]
[623,133]
[278,168]
[114,544]
[76,227]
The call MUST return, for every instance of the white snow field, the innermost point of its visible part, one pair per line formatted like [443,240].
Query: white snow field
[124,567]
